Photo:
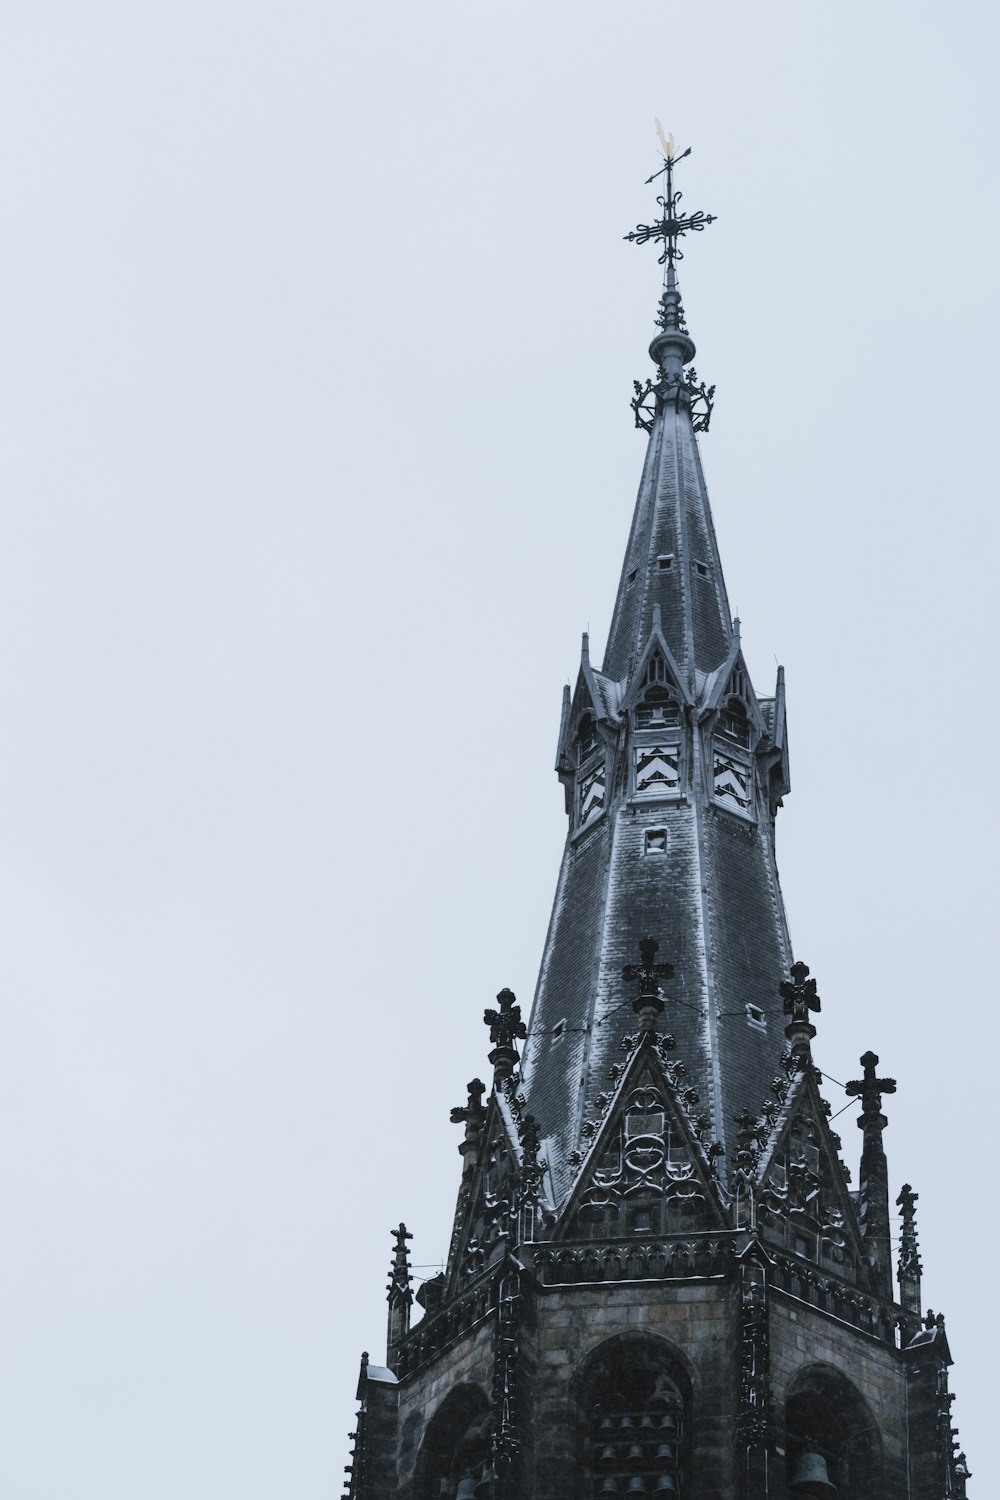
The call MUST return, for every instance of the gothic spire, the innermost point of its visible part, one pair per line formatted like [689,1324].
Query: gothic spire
[673,769]
[672,560]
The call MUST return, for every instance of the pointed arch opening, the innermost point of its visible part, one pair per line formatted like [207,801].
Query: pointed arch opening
[657,770]
[586,738]
[734,722]
[453,1462]
[658,706]
[831,1431]
[635,1403]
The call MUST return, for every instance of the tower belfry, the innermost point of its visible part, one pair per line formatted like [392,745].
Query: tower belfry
[660,1281]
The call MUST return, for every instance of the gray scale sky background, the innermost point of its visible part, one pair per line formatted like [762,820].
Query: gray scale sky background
[318,337]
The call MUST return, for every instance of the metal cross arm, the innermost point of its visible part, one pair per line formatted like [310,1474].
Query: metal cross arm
[648,972]
[799,993]
[671,224]
[869,1088]
[505,1024]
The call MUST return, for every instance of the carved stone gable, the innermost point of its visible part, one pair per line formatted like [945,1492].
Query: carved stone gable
[646,1173]
[484,1222]
[803,1202]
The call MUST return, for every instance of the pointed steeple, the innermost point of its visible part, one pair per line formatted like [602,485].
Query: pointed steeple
[672,559]
[673,769]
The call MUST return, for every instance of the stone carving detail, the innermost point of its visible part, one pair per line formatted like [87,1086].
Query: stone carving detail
[799,996]
[753,1421]
[400,1297]
[504,1441]
[491,1221]
[797,1206]
[506,1030]
[909,1269]
[647,974]
[472,1113]
[954,1468]
[533,1168]
[830,1294]
[647,1159]
[634,1260]
[441,1328]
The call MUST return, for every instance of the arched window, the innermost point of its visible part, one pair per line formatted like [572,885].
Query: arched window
[734,724]
[831,1434]
[586,738]
[635,1399]
[454,1458]
[658,707]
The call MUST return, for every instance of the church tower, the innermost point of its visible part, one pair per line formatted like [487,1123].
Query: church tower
[660,1281]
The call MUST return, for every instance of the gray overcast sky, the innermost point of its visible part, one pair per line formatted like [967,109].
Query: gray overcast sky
[318,337]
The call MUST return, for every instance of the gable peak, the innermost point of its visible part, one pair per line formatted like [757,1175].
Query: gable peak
[647,1168]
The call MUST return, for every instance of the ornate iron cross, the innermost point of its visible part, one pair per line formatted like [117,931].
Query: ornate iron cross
[671,224]
[799,994]
[473,1109]
[870,1088]
[647,1005]
[505,1024]
[648,972]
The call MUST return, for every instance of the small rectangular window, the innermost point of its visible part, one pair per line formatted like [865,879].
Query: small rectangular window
[756,1017]
[631,576]
[701,569]
[665,562]
[656,841]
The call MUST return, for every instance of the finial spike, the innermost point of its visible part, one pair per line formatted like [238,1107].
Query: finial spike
[506,1029]
[800,997]
[672,224]
[909,1269]
[647,1004]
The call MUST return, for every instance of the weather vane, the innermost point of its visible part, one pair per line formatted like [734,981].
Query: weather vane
[672,223]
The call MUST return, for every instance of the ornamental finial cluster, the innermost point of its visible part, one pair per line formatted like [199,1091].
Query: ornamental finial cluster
[909,1269]
[399,1272]
[673,347]
[506,1029]
[870,1090]
[672,225]
[799,997]
[647,1004]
